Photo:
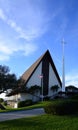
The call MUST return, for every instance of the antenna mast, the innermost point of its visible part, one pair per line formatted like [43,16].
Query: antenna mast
[63,67]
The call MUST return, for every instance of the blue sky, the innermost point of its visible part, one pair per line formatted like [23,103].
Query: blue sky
[29,27]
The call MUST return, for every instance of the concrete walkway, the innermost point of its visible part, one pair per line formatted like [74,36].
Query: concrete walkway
[20,114]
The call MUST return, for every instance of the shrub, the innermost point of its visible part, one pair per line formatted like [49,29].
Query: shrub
[5,103]
[1,100]
[64,107]
[55,88]
[46,98]
[75,97]
[2,107]
[25,103]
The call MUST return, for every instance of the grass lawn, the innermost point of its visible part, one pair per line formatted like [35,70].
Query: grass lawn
[38,105]
[44,122]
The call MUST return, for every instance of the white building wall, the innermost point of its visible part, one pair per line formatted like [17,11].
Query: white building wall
[13,100]
[35,80]
[14,97]
[52,80]
[25,96]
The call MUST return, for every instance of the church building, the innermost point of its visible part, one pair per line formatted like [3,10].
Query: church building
[45,69]
[42,73]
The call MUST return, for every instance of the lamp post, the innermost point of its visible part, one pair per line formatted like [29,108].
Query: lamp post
[63,67]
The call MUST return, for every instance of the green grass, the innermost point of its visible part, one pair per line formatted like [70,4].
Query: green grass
[44,122]
[38,105]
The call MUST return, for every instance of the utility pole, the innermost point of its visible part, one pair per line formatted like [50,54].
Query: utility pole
[63,67]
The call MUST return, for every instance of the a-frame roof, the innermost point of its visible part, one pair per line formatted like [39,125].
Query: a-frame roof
[28,73]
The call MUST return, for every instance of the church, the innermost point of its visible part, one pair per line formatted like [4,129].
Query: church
[42,73]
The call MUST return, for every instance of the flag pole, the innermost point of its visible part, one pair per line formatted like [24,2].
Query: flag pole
[41,77]
[42,86]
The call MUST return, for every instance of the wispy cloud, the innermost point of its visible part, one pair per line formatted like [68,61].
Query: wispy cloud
[33,25]
[7,49]
[2,15]
[29,21]
[4,57]
[12,24]
[72,79]
[36,23]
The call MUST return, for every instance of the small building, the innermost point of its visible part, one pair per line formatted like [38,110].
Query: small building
[42,73]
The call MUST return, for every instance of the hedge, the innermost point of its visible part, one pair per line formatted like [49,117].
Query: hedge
[25,103]
[64,107]
[1,100]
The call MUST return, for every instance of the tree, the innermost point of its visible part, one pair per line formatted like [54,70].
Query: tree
[21,83]
[71,88]
[4,70]
[7,80]
[55,88]
[10,81]
[18,87]
[34,89]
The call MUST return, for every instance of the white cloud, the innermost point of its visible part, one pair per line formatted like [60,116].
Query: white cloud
[18,29]
[7,49]
[29,48]
[4,57]
[2,15]
[28,20]
[4,48]
[12,24]
[35,25]
[72,79]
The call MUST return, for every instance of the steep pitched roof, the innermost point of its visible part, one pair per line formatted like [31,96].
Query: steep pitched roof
[28,73]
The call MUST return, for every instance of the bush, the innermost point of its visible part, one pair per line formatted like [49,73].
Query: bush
[75,97]
[25,103]
[64,107]
[46,98]
[1,100]
[5,103]
[2,107]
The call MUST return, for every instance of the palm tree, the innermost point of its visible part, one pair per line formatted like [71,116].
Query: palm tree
[34,90]
[55,88]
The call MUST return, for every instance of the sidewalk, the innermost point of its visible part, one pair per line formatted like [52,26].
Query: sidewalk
[21,114]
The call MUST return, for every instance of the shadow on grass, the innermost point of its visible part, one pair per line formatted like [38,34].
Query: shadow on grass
[44,122]
[20,124]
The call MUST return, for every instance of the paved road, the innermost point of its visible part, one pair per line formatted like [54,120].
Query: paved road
[20,114]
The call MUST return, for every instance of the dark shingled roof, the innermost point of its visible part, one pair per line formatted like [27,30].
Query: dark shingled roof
[28,73]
